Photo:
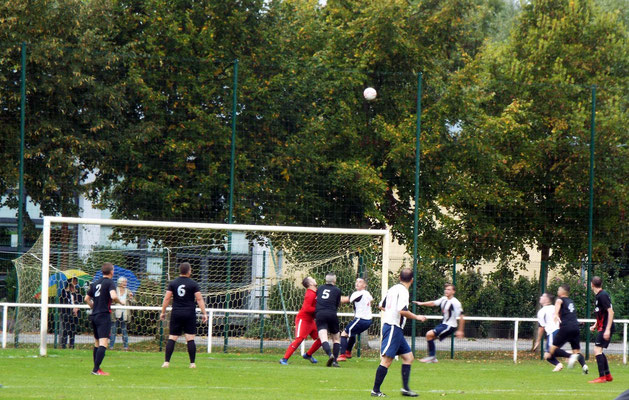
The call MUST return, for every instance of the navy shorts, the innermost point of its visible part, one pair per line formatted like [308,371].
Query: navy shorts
[393,341]
[443,331]
[183,322]
[357,326]
[101,325]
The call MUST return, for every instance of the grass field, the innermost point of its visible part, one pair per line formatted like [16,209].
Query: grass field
[135,375]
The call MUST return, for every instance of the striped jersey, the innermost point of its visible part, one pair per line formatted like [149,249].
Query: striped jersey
[451,309]
[395,301]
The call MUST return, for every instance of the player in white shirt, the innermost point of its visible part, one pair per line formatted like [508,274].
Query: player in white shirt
[451,309]
[395,307]
[361,301]
[546,320]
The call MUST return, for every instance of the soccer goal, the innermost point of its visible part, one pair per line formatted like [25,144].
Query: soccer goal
[240,269]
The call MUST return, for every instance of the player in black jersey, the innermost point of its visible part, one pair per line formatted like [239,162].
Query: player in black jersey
[185,294]
[604,326]
[328,300]
[569,331]
[99,298]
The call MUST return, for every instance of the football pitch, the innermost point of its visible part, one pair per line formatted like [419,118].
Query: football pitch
[136,375]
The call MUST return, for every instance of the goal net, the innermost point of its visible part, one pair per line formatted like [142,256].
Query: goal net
[241,269]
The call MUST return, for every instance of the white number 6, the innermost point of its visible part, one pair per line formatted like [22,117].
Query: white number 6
[181,290]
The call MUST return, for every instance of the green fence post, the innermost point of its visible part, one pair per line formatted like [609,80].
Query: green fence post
[542,287]
[590,220]
[361,274]
[454,283]
[164,272]
[262,301]
[416,212]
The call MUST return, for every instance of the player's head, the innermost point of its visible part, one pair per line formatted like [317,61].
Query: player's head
[330,278]
[107,269]
[406,275]
[449,290]
[309,281]
[122,282]
[563,290]
[184,269]
[361,284]
[597,282]
[545,299]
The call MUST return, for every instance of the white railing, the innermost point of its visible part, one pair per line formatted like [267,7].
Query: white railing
[220,312]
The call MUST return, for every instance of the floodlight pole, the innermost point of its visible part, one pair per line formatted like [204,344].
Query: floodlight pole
[590,220]
[416,218]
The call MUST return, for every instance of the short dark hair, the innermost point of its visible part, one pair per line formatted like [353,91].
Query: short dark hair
[450,285]
[306,282]
[184,268]
[597,282]
[107,268]
[551,298]
[406,275]
[565,287]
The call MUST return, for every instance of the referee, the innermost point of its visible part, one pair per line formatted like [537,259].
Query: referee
[185,294]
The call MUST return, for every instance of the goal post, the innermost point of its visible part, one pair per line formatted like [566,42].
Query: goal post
[228,260]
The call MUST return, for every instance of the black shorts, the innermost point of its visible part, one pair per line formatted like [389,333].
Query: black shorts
[600,340]
[568,335]
[183,322]
[328,321]
[101,325]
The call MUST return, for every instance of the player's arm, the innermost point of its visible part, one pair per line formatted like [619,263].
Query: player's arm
[344,299]
[167,297]
[89,301]
[409,315]
[540,332]
[199,298]
[558,304]
[460,333]
[610,320]
[114,297]
[425,303]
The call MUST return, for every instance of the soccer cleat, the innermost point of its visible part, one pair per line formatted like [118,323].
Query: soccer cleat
[284,361]
[573,358]
[166,364]
[100,372]
[330,361]
[193,365]
[609,377]
[377,394]
[408,393]
[558,367]
[600,379]
[348,354]
[342,358]
[585,369]
[336,365]
[310,358]
[430,359]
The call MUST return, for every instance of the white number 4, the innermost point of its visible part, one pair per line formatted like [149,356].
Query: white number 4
[181,290]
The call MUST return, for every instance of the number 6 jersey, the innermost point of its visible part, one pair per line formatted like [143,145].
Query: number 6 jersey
[183,290]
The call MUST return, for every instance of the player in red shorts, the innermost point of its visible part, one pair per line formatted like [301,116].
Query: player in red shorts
[305,324]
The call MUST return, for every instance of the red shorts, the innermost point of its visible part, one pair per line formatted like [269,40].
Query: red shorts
[304,327]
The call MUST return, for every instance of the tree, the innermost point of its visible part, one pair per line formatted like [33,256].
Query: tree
[519,156]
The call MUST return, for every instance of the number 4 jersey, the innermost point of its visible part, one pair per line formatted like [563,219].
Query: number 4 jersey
[183,290]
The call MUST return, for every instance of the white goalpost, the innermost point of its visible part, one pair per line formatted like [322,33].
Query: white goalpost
[246,267]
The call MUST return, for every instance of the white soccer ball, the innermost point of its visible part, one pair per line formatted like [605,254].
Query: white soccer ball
[370,93]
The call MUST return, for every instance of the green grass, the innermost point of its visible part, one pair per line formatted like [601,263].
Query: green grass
[137,375]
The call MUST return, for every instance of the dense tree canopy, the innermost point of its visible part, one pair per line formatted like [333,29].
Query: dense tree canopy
[130,103]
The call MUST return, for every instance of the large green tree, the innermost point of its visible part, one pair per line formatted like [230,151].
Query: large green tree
[517,159]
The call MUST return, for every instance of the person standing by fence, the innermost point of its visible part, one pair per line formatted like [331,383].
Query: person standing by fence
[121,317]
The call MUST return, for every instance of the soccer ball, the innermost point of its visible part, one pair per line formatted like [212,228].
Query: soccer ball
[370,93]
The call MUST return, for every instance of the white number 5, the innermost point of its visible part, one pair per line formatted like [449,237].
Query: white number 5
[325,294]
[181,290]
